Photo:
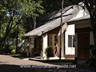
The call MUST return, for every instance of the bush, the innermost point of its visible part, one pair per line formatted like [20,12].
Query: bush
[13,49]
[7,49]
[1,50]
[49,52]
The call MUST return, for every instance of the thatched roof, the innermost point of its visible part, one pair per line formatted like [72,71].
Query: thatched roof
[69,14]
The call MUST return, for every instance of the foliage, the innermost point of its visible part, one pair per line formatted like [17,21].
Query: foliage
[20,55]
[49,52]
[7,49]
[13,49]
[53,5]
[31,7]
[12,17]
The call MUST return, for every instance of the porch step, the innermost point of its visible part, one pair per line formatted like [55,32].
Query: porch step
[54,61]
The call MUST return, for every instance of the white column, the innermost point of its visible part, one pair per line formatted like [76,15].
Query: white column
[45,45]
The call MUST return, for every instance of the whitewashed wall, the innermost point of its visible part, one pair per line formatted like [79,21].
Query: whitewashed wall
[69,31]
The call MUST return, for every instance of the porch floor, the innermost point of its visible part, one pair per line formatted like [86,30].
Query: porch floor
[52,59]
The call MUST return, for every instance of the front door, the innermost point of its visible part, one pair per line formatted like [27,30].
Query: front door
[83,45]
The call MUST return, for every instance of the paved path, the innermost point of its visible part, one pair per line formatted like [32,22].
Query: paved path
[6,59]
[13,64]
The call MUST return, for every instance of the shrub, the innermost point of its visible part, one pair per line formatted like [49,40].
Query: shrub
[1,50]
[49,52]
[7,49]
[13,49]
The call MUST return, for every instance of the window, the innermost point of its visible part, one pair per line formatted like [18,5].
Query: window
[70,40]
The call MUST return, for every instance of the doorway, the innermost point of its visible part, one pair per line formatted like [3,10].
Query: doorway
[83,45]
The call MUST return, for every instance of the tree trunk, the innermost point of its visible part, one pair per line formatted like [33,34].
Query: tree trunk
[8,30]
[32,38]
[34,22]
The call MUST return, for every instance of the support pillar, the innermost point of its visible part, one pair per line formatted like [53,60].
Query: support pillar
[45,45]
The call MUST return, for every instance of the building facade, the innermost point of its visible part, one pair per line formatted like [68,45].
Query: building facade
[74,37]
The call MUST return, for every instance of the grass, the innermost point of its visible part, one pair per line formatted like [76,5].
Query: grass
[19,55]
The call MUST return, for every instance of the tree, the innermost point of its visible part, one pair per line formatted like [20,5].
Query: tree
[7,22]
[91,6]
[29,10]
[12,15]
